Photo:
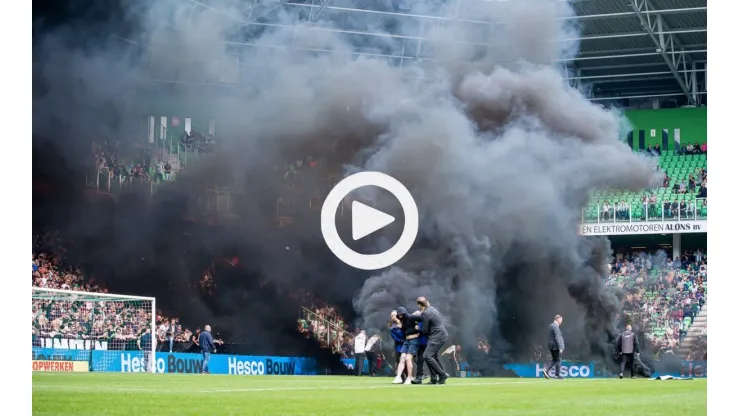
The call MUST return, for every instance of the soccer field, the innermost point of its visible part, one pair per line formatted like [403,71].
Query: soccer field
[145,394]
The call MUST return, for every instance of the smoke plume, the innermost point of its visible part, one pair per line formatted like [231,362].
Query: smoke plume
[498,151]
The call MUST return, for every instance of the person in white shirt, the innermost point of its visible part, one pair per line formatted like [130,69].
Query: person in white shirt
[371,349]
[360,341]
[606,211]
[161,332]
[450,356]
[623,210]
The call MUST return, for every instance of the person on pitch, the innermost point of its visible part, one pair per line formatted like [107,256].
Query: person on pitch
[145,345]
[359,345]
[432,326]
[556,345]
[450,356]
[420,376]
[628,347]
[398,338]
[205,340]
[410,346]
[372,350]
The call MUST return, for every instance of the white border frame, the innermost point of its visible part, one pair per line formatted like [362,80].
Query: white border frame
[721,244]
[16,30]
[16,35]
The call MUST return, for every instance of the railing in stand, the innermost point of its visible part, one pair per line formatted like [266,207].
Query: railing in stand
[173,146]
[104,181]
[332,328]
[683,210]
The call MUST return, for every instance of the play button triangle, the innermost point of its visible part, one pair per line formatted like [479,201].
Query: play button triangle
[367,220]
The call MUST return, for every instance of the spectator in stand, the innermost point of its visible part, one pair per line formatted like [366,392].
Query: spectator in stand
[196,338]
[653,205]
[171,333]
[162,332]
[606,211]
[167,171]
[159,171]
[682,187]
[623,211]
[702,191]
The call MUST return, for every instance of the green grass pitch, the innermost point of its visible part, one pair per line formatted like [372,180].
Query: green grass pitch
[159,394]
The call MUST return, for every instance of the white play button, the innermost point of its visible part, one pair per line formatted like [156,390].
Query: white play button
[367,220]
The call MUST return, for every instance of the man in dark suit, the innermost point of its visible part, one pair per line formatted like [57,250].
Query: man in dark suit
[628,347]
[556,345]
[433,327]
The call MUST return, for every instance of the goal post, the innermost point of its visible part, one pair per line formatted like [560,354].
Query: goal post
[92,329]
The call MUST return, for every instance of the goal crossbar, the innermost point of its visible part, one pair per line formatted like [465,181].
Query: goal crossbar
[85,295]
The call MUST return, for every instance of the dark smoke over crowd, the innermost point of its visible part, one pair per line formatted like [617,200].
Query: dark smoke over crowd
[498,151]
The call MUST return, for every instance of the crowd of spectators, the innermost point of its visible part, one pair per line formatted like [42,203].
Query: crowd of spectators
[173,337]
[114,322]
[119,323]
[693,149]
[135,162]
[195,141]
[302,189]
[662,296]
[323,321]
[132,163]
[688,201]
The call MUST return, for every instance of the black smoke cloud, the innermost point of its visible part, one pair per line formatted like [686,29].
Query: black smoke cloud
[499,153]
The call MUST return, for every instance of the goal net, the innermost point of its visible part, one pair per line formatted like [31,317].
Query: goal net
[92,331]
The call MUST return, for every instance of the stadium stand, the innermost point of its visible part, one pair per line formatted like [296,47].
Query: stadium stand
[129,163]
[57,319]
[683,194]
[662,297]
[323,322]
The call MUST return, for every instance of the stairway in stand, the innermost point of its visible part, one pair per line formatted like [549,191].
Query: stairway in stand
[694,333]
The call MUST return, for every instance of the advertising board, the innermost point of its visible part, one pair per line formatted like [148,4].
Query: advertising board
[657,227]
[51,359]
[60,366]
[567,370]
[184,363]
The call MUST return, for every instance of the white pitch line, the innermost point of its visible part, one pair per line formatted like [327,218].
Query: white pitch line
[267,389]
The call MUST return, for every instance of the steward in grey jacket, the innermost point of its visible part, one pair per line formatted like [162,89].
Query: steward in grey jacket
[628,346]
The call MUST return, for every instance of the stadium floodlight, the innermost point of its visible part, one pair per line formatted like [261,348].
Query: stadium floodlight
[69,325]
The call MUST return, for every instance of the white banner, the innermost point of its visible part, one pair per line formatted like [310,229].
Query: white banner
[73,344]
[651,227]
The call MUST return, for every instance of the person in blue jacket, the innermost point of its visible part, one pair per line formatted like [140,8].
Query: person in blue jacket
[398,337]
[207,346]
[420,359]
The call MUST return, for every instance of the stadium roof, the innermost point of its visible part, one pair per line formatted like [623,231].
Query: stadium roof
[629,49]
[644,48]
